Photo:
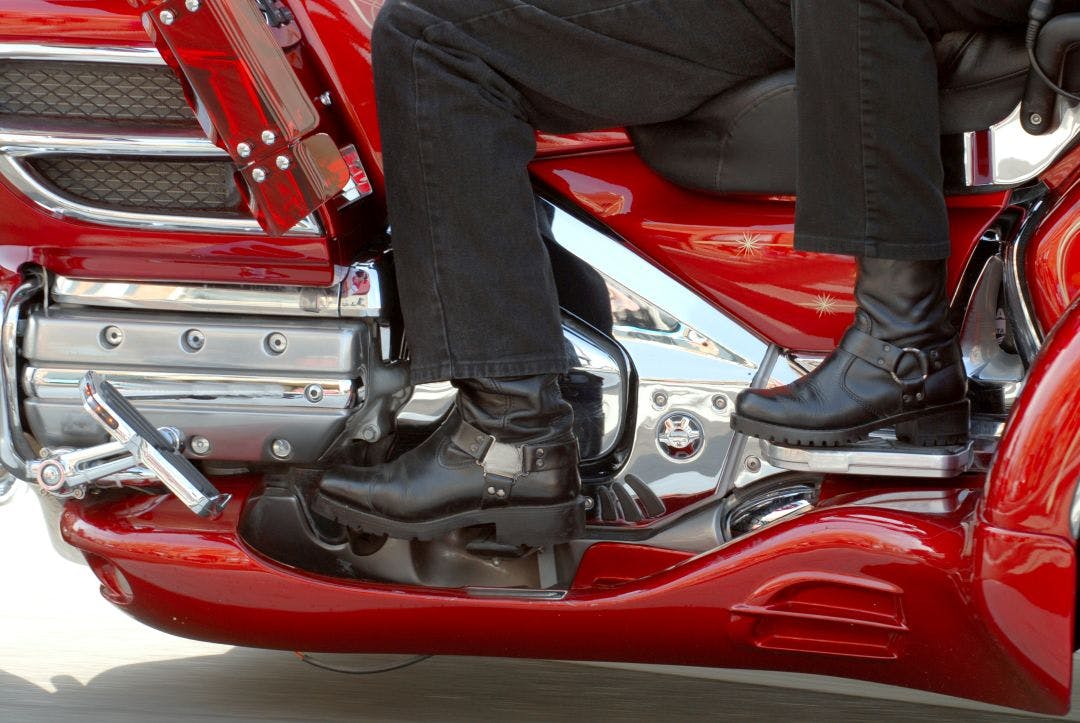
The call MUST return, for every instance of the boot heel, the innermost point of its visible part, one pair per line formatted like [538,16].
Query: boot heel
[539,526]
[938,426]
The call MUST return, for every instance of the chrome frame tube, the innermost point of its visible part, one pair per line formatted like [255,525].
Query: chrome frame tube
[15,451]
[1026,330]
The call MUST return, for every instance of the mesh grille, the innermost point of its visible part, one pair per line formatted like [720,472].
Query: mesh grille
[155,185]
[101,91]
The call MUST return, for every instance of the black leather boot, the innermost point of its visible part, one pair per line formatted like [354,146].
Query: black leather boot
[899,365]
[505,457]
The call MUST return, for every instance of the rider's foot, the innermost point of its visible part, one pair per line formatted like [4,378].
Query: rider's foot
[506,457]
[899,365]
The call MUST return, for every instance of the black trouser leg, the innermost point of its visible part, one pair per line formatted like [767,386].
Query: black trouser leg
[461,86]
[870,174]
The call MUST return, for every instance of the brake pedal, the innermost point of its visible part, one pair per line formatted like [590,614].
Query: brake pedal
[876,457]
[149,447]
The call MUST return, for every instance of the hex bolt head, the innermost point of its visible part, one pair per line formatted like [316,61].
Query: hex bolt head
[112,336]
[167,17]
[258,175]
[326,98]
[281,448]
[283,162]
[269,138]
[1036,119]
[194,340]
[314,393]
[277,343]
[200,446]
[193,5]
[753,464]
[719,402]
[243,149]
[659,400]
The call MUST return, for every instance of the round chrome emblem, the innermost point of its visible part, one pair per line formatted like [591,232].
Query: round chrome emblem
[680,436]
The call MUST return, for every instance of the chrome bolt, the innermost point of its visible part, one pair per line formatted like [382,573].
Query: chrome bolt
[258,175]
[167,17]
[277,343]
[269,138]
[200,445]
[194,340]
[192,5]
[659,399]
[1036,119]
[44,452]
[281,448]
[719,402]
[589,503]
[313,393]
[173,436]
[243,149]
[326,98]
[370,433]
[283,162]
[113,336]
[52,475]
[753,464]
[79,492]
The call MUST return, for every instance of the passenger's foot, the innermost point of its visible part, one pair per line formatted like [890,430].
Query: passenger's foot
[899,365]
[506,457]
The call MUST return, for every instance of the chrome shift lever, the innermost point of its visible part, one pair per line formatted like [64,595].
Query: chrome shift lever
[149,447]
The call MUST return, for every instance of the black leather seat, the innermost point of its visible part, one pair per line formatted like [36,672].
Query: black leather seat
[744,140]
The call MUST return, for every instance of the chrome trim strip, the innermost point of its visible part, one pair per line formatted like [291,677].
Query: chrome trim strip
[25,182]
[21,140]
[1026,330]
[1074,513]
[330,302]
[44,51]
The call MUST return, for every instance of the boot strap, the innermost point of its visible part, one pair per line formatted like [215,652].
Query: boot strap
[888,356]
[503,462]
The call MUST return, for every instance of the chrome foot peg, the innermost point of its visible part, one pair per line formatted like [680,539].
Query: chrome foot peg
[149,447]
[876,457]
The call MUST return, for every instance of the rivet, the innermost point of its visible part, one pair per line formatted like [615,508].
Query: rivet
[167,17]
[881,362]
[474,447]
[887,347]
[479,438]
[753,464]
[200,445]
[269,138]
[370,433]
[243,149]
[491,490]
[258,175]
[1036,119]
[540,452]
[501,493]
[326,98]
[281,448]
[539,463]
[283,162]
[920,396]
[659,400]
[192,5]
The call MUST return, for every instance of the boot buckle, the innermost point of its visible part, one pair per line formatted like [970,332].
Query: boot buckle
[502,460]
[924,367]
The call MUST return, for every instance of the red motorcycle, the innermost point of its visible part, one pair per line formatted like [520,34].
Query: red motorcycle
[182,354]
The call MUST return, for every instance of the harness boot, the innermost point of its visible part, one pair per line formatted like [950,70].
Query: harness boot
[899,365]
[506,456]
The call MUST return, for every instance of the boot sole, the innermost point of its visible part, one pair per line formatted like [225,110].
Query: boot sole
[939,426]
[534,526]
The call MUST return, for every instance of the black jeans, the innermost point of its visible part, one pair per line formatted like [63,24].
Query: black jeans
[462,84]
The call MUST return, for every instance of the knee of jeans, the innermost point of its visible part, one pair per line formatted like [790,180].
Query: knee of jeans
[401,17]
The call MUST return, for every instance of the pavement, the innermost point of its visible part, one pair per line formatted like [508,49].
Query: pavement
[68,655]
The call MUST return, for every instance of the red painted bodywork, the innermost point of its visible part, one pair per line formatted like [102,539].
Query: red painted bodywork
[890,585]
